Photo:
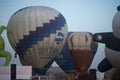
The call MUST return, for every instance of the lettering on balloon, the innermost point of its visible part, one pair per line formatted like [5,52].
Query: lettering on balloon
[59,39]
[60,56]
[61,61]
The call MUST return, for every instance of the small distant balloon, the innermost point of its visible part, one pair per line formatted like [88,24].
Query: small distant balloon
[38,35]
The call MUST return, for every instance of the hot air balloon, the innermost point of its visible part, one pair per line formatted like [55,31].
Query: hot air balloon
[112,45]
[65,62]
[3,53]
[38,34]
[82,49]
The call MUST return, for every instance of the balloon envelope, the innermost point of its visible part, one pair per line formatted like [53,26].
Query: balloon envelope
[38,34]
[65,61]
[82,49]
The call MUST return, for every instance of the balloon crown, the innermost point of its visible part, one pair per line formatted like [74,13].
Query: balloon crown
[118,8]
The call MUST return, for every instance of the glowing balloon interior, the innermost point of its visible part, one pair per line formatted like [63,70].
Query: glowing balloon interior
[38,35]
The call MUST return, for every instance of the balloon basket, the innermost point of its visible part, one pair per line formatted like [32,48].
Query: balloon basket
[41,78]
[15,72]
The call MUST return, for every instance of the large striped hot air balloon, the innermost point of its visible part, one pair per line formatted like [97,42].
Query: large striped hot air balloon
[38,34]
[65,61]
[82,49]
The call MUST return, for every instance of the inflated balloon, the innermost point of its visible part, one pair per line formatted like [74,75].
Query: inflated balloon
[38,35]
[3,53]
[112,45]
[82,49]
[64,60]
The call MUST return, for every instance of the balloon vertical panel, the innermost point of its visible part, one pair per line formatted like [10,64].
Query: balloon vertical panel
[65,61]
[38,33]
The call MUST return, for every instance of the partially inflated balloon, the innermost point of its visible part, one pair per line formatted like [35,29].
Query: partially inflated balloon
[112,45]
[82,49]
[38,35]
[3,53]
[65,61]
